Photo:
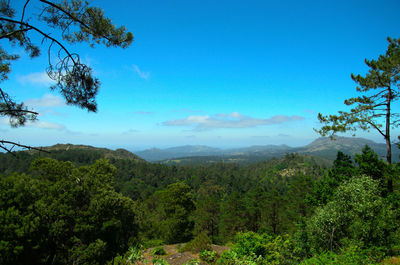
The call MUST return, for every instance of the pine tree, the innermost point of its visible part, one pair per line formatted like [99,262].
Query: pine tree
[373,110]
[70,21]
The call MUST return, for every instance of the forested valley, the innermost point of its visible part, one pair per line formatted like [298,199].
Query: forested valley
[96,206]
[82,205]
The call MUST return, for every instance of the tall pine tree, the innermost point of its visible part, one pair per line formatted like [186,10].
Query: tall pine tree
[373,110]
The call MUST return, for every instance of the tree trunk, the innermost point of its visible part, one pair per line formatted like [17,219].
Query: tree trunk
[387,138]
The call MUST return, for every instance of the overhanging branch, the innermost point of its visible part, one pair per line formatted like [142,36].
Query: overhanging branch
[42,33]
[14,144]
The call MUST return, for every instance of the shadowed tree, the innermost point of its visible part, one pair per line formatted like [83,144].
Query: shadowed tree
[373,110]
[57,24]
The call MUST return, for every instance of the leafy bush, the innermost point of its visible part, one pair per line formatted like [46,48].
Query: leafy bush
[159,261]
[356,213]
[119,260]
[199,243]
[249,243]
[134,254]
[252,248]
[192,262]
[208,256]
[152,243]
[351,255]
[158,251]
[232,258]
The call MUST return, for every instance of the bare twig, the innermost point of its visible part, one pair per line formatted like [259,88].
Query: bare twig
[23,11]
[9,150]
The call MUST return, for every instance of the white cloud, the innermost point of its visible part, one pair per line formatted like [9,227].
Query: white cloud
[47,125]
[37,124]
[47,100]
[142,74]
[131,131]
[231,120]
[5,121]
[40,78]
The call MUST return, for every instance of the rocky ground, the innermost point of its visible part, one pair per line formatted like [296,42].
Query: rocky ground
[173,257]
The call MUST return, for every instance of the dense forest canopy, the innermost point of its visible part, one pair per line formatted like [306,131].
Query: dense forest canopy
[79,205]
[293,203]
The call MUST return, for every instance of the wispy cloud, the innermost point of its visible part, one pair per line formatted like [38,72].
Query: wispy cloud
[46,104]
[230,120]
[47,125]
[142,74]
[131,131]
[39,78]
[47,100]
[38,124]
[309,111]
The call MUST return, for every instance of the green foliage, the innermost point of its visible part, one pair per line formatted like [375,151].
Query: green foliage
[352,255]
[159,261]
[370,110]
[169,213]
[252,248]
[119,260]
[80,210]
[192,262]
[58,24]
[64,215]
[158,251]
[373,110]
[134,254]
[356,213]
[370,165]
[152,243]
[199,243]
[207,213]
[322,191]
[232,258]
[208,256]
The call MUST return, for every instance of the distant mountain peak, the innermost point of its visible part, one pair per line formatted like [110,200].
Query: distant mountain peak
[323,147]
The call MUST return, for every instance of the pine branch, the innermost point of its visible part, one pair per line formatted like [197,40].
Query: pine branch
[42,33]
[14,144]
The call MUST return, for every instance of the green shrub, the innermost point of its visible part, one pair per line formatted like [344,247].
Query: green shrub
[352,255]
[119,260]
[158,251]
[356,213]
[192,262]
[159,261]
[199,243]
[252,248]
[134,254]
[249,243]
[208,256]
[232,258]
[152,243]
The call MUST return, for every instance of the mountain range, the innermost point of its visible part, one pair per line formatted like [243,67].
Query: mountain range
[323,147]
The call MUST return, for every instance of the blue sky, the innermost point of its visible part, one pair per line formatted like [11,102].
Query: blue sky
[219,73]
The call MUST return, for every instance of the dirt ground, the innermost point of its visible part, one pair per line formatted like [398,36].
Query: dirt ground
[173,257]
